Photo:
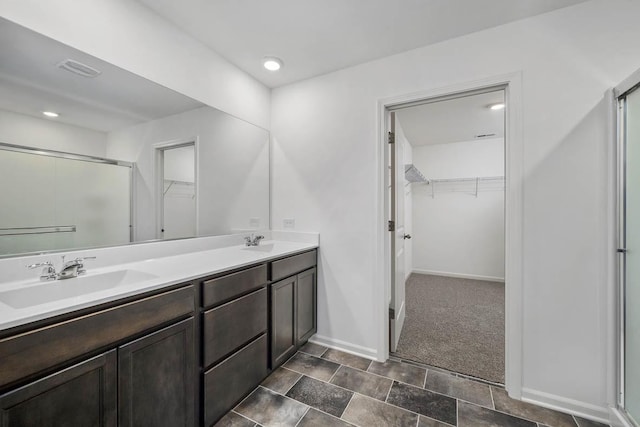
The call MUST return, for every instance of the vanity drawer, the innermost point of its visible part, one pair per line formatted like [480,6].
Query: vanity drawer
[232,379]
[231,325]
[292,265]
[222,289]
[34,351]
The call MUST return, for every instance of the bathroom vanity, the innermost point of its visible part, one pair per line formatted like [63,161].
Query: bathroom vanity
[180,354]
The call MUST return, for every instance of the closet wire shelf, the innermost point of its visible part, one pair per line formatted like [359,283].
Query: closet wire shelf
[470,185]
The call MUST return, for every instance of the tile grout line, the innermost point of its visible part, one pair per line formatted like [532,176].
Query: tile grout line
[303,415]
[246,418]
[511,415]
[292,385]
[381,376]
[493,402]
[346,407]
[334,374]
[388,393]
[445,371]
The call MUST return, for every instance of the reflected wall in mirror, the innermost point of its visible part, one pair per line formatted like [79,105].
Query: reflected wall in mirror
[108,113]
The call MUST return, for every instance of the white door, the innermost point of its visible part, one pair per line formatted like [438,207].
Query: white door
[397,306]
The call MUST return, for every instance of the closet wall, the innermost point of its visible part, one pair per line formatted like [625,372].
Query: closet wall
[455,232]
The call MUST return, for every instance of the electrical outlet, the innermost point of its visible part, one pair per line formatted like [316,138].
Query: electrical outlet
[289,223]
[254,222]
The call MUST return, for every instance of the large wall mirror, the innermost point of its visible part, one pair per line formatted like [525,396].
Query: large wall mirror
[116,158]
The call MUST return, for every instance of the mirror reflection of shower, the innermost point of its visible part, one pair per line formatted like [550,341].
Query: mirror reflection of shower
[178,185]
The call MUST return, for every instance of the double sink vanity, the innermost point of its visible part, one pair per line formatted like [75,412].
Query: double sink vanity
[169,341]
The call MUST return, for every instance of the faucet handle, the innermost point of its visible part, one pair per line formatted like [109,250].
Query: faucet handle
[39,264]
[81,260]
[48,272]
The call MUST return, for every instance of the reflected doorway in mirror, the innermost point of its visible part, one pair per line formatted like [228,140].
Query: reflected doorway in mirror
[176,189]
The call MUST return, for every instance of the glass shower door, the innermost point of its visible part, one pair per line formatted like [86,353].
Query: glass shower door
[630,250]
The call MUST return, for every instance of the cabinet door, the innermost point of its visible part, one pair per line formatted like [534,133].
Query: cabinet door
[283,338]
[83,395]
[157,378]
[305,305]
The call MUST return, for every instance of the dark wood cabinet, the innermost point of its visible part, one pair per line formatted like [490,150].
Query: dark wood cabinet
[293,304]
[181,356]
[306,306]
[283,337]
[232,379]
[82,395]
[232,325]
[156,378]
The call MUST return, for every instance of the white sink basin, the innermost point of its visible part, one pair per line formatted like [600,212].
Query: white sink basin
[268,247]
[44,292]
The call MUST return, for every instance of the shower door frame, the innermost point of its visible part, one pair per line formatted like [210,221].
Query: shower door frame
[619,95]
[84,158]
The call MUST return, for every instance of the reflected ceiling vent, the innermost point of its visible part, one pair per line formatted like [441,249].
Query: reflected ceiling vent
[79,68]
[484,135]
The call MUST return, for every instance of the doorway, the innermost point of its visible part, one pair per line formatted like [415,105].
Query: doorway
[176,190]
[447,222]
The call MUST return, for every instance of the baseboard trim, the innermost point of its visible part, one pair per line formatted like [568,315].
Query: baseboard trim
[563,404]
[459,275]
[617,419]
[356,350]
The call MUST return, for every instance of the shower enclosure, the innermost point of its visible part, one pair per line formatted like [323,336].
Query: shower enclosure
[52,200]
[628,98]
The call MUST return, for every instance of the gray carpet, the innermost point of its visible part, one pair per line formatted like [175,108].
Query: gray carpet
[455,324]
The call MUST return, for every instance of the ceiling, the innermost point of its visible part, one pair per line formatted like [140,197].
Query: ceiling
[31,82]
[317,37]
[455,120]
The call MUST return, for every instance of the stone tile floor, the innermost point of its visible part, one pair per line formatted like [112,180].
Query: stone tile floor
[325,388]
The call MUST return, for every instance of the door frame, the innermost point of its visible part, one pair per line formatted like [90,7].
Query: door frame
[158,150]
[514,210]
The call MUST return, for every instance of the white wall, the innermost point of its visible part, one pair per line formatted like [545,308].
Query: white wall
[457,233]
[233,168]
[129,35]
[20,129]
[180,163]
[324,153]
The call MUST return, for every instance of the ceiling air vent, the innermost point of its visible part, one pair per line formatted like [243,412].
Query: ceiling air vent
[79,68]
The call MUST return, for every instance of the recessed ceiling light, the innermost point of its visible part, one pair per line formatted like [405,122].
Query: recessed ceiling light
[50,114]
[272,63]
[499,106]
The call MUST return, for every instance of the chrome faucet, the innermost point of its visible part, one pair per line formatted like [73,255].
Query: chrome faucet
[69,269]
[48,271]
[73,268]
[253,240]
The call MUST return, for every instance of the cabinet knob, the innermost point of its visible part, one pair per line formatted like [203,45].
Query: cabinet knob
[407,236]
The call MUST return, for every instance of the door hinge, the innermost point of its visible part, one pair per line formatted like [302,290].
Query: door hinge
[392,138]
[391,226]
[392,313]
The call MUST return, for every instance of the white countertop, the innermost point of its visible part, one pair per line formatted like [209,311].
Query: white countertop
[169,270]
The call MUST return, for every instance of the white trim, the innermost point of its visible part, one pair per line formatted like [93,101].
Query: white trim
[609,238]
[356,350]
[627,84]
[563,404]
[459,275]
[618,419]
[514,171]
